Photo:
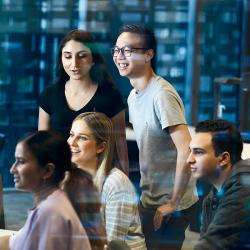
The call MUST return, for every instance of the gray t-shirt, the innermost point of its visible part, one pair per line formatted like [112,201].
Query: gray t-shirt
[151,111]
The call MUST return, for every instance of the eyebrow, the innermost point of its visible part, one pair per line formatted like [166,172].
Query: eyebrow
[127,45]
[19,157]
[79,134]
[68,52]
[84,134]
[197,148]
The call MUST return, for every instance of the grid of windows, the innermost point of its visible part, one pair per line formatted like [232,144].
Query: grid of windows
[30,31]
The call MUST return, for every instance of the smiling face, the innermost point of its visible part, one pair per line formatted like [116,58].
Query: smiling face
[202,159]
[28,176]
[83,146]
[133,65]
[77,60]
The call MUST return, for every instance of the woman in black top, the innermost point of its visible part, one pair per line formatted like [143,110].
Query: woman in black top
[82,85]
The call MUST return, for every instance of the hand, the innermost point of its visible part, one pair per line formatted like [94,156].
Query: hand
[162,211]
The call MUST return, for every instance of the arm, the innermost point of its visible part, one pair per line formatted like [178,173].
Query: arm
[122,219]
[43,120]
[120,140]
[118,213]
[181,138]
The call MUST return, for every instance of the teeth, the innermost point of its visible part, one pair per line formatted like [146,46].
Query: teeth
[16,179]
[123,65]
[74,151]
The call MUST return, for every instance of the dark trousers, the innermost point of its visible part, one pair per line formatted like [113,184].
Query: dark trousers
[171,234]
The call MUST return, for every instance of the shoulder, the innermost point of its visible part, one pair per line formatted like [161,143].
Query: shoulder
[53,88]
[238,187]
[118,187]
[165,89]
[108,100]
[51,91]
[165,95]
[240,176]
[132,95]
[50,209]
[51,96]
[116,175]
[117,180]
[234,198]
[109,90]
[242,167]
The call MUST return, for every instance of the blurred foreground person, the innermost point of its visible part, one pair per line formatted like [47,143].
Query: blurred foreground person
[86,201]
[41,161]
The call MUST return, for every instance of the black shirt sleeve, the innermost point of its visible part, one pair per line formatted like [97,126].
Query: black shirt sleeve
[46,97]
[108,101]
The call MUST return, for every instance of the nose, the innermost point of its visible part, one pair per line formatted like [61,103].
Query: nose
[75,61]
[72,140]
[13,168]
[121,54]
[190,158]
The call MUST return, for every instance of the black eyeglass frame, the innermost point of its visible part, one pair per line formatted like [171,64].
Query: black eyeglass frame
[122,50]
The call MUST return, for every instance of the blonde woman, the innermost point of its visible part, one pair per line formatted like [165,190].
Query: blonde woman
[92,145]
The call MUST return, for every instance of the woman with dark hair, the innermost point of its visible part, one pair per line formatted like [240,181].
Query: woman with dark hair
[42,158]
[82,85]
[86,201]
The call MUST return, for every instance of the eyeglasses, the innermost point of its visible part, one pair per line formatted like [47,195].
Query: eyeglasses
[126,51]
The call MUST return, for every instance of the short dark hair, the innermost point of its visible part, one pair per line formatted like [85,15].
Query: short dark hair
[146,34]
[98,71]
[225,137]
[49,147]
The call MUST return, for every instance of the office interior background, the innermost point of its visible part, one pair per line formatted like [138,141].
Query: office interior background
[203,50]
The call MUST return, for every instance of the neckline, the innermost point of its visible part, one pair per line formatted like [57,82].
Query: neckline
[151,83]
[55,192]
[77,111]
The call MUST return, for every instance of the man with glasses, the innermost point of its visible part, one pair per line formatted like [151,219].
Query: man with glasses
[157,114]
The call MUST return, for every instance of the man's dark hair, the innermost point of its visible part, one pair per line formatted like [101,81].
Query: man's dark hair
[225,137]
[147,37]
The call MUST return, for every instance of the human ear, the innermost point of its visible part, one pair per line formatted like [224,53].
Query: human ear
[149,55]
[101,147]
[49,170]
[224,158]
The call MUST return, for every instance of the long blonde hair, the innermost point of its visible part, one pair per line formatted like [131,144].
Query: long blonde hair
[102,129]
